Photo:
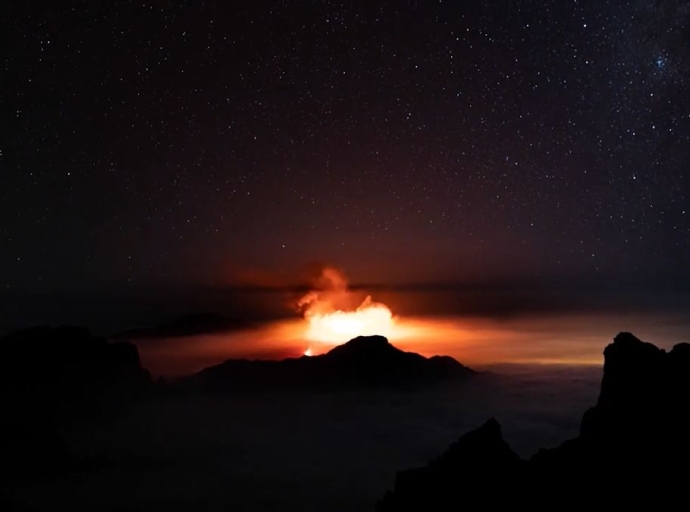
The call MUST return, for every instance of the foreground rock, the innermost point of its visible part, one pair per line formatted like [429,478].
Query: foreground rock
[67,365]
[365,361]
[633,448]
[52,378]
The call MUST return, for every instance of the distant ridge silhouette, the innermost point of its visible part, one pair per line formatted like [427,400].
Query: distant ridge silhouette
[633,448]
[365,361]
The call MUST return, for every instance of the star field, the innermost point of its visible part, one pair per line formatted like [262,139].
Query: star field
[193,142]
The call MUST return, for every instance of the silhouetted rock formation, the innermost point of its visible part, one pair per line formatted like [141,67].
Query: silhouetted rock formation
[478,458]
[187,325]
[67,362]
[633,448]
[367,361]
[643,389]
[51,377]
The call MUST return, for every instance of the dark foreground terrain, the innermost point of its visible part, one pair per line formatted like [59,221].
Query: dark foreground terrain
[633,448]
[87,429]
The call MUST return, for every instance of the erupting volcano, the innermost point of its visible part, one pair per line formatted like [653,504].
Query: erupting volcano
[334,315]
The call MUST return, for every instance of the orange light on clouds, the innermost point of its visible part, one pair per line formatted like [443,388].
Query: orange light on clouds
[330,318]
[338,326]
[472,341]
[331,315]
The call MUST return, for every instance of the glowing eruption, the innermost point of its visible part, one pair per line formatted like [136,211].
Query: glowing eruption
[333,315]
[340,326]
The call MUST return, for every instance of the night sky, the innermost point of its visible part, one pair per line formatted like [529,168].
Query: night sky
[219,143]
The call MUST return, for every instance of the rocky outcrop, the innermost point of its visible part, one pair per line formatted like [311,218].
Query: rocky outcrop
[643,391]
[67,364]
[51,378]
[479,458]
[632,450]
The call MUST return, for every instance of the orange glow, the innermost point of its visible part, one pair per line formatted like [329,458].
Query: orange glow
[331,318]
[338,326]
[331,315]
[472,341]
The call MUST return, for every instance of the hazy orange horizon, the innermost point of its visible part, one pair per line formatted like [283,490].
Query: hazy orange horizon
[474,341]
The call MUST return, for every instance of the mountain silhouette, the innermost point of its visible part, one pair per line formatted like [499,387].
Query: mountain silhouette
[632,450]
[67,364]
[365,361]
[53,377]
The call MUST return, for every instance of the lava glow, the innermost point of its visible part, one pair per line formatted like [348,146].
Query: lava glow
[339,326]
[331,318]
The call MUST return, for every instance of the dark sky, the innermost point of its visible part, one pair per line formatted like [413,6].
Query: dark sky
[149,143]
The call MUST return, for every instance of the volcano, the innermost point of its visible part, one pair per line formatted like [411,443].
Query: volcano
[365,361]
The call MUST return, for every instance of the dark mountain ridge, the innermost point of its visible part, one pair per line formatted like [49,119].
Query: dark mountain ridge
[53,377]
[633,448]
[365,361]
[67,363]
